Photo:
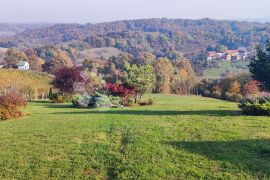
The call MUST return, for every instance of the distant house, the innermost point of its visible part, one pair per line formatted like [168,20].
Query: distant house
[23,65]
[242,50]
[211,55]
[2,64]
[232,52]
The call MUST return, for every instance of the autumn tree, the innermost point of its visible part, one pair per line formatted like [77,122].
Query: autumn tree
[235,87]
[184,78]
[164,74]
[121,61]
[252,87]
[144,58]
[65,79]
[13,56]
[58,60]
[35,62]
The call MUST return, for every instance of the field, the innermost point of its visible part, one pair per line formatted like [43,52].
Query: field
[178,138]
[225,66]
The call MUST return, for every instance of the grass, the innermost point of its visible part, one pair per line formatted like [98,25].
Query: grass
[234,67]
[178,138]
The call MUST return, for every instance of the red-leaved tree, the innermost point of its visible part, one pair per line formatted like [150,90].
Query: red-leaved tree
[65,79]
[122,90]
[252,87]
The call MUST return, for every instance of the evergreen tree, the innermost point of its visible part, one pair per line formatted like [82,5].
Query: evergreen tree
[260,66]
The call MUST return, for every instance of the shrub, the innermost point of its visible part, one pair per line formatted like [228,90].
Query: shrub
[256,106]
[147,102]
[122,90]
[237,97]
[216,94]
[228,96]
[61,98]
[11,105]
[81,101]
[206,93]
[116,101]
[100,101]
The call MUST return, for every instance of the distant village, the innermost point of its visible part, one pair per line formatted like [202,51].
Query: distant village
[239,54]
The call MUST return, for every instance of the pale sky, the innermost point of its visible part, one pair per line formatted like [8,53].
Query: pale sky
[93,11]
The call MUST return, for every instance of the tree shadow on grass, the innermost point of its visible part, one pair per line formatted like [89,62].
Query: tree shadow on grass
[252,156]
[58,106]
[221,113]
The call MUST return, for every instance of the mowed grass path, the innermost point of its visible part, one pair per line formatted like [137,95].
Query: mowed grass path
[178,138]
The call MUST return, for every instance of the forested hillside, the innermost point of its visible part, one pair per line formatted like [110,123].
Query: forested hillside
[8,29]
[174,39]
[156,35]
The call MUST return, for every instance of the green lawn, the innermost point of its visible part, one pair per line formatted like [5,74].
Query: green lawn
[178,138]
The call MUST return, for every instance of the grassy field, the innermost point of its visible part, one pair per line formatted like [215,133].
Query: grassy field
[225,66]
[178,138]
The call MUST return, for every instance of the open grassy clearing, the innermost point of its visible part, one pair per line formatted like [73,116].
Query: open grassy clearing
[179,137]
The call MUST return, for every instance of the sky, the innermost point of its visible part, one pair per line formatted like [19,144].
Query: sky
[94,11]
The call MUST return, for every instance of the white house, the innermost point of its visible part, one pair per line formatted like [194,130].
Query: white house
[23,65]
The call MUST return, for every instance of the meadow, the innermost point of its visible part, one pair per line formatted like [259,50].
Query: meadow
[180,137]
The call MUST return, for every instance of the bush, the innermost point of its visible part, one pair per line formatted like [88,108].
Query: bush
[206,93]
[116,101]
[216,94]
[228,96]
[237,97]
[147,102]
[120,90]
[100,101]
[81,101]
[11,105]
[255,106]
[61,98]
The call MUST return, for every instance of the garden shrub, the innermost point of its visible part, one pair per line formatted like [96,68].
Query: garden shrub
[11,105]
[206,93]
[147,102]
[116,101]
[216,94]
[100,100]
[120,90]
[237,97]
[258,106]
[81,101]
[228,96]
[61,98]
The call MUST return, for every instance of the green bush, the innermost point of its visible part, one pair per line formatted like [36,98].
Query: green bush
[206,93]
[61,98]
[237,97]
[80,101]
[116,101]
[255,106]
[228,96]
[100,101]
[216,94]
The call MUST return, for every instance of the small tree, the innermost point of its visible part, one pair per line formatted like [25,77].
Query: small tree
[142,78]
[252,87]
[65,79]
[50,95]
[234,87]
